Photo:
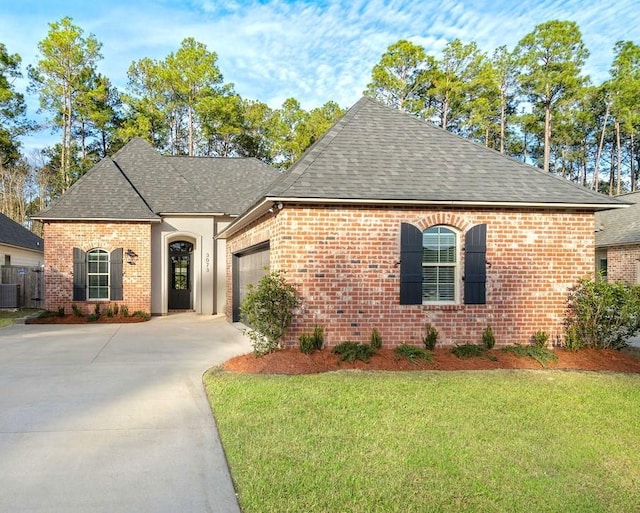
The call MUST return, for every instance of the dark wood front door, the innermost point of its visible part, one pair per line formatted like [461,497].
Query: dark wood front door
[180,276]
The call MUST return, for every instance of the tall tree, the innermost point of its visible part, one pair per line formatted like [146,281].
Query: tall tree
[399,78]
[551,58]
[63,73]
[624,90]
[12,109]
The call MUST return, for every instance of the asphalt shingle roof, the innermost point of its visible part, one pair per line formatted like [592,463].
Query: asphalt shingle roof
[619,226]
[137,183]
[14,234]
[376,152]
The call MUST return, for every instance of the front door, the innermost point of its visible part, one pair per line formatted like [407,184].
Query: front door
[180,275]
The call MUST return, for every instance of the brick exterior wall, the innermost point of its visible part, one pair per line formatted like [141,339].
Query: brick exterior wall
[60,239]
[623,263]
[344,262]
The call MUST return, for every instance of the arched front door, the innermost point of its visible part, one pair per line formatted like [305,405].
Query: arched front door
[180,275]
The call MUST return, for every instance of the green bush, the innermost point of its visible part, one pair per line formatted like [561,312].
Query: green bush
[268,310]
[539,353]
[318,337]
[602,315]
[430,338]
[463,351]
[306,343]
[61,311]
[76,310]
[572,341]
[109,311]
[115,308]
[124,311]
[351,351]
[540,338]
[92,317]
[376,339]
[412,353]
[142,314]
[488,339]
[96,309]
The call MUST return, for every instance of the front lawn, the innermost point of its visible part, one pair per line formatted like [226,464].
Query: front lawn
[8,316]
[491,441]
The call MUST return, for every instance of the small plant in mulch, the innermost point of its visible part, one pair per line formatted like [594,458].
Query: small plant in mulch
[430,338]
[542,355]
[61,311]
[540,338]
[310,342]
[142,314]
[376,339]
[464,351]
[351,351]
[488,338]
[412,353]
[124,311]
[76,310]
[93,317]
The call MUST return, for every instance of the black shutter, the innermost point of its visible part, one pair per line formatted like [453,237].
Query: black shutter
[475,265]
[410,265]
[115,274]
[79,275]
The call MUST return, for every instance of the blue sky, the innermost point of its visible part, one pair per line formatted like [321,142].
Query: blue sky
[315,51]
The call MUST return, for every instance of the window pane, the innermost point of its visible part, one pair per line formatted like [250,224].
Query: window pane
[439,257]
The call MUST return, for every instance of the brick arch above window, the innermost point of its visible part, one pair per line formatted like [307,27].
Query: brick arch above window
[443,219]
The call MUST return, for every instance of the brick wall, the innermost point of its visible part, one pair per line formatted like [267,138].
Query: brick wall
[344,261]
[60,239]
[623,263]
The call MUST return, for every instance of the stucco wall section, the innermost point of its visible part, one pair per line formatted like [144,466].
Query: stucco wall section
[20,256]
[60,239]
[344,262]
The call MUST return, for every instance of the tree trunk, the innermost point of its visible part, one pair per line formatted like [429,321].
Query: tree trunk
[596,177]
[503,122]
[547,136]
[619,158]
[631,169]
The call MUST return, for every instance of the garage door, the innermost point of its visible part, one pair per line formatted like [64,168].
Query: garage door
[248,269]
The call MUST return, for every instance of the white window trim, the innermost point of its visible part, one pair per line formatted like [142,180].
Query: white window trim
[456,276]
[108,274]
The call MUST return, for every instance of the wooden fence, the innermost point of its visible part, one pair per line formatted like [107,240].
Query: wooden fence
[31,281]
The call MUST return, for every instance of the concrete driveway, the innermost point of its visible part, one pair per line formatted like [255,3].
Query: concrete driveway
[113,417]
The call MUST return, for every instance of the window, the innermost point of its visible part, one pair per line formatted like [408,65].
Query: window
[98,274]
[602,267]
[439,264]
[430,265]
[7,260]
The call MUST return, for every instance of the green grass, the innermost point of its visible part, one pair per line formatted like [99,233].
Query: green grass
[494,441]
[8,316]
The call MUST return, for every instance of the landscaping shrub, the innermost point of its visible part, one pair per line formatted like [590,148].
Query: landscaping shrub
[539,353]
[318,337]
[471,351]
[540,338]
[412,353]
[96,310]
[351,351]
[109,311]
[76,310]
[488,339]
[602,315]
[115,308]
[92,317]
[376,339]
[306,343]
[124,311]
[61,311]
[142,314]
[268,310]
[430,338]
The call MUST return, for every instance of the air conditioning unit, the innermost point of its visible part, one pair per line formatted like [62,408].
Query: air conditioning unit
[9,295]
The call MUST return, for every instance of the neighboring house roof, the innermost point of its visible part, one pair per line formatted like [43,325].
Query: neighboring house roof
[619,227]
[137,183]
[14,234]
[379,155]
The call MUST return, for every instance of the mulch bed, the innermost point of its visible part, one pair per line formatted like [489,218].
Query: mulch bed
[292,361]
[74,319]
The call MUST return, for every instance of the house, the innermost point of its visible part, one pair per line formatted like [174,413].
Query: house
[19,246]
[618,241]
[388,222]
[139,229]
